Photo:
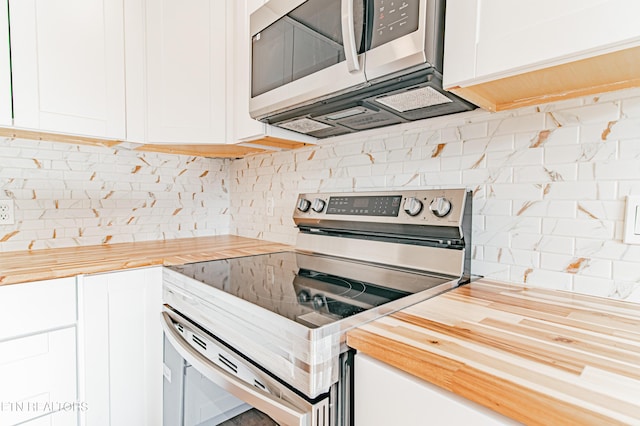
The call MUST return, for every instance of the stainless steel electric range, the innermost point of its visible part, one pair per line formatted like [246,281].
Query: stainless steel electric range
[266,333]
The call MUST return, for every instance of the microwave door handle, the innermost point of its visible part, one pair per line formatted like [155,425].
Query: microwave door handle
[349,37]
[260,400]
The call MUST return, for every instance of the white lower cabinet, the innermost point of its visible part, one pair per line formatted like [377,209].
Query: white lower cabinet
[121,340]
[386,396]
[38,369]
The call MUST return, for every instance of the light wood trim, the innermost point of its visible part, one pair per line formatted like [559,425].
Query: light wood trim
[57,137]
[199,150]
[270,141]
[591,76]
[208,150]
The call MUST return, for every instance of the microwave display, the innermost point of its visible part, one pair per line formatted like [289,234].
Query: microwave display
[393,19]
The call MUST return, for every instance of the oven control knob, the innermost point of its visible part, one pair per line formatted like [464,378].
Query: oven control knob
[318,301]
[304,204]
[412,206]
[318,205]
[440,207]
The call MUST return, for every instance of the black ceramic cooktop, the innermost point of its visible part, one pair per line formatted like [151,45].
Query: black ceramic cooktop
[313,290]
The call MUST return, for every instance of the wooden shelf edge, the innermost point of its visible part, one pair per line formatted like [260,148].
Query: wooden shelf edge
[603,73]
[57,137]
[231,151]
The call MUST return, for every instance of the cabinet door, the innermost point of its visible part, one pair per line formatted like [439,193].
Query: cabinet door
[39,378]
[122,347]
[245,127]
[186,70]
[38,352]
[68,66]
[545,32]
[5,67]
[385,395]
[486,40]
[37,306]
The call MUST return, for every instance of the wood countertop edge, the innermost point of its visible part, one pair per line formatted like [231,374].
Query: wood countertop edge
[503,396]
[46,264]
[520,351]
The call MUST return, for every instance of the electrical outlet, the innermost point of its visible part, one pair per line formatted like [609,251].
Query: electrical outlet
[270,206]
[6,212]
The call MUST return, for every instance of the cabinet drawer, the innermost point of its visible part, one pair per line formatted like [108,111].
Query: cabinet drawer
[61,418]
[37,306]
[38,377]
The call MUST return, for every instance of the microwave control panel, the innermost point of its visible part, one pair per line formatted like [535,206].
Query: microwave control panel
[393,19]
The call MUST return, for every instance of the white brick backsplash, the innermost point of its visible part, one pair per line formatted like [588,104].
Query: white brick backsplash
[542,243]
[626,128]
[525,157]
[626,271]
[519,191]
[443,178]
[608,111]
[71,195]
[549,184]
[450,134]
[629,148]
[517,124]
[545,208]
[523,258]
[546,279]
[631,108]
[545,173]
[493,144]
[560,136]
[618,170]
[473,131]
[597,229]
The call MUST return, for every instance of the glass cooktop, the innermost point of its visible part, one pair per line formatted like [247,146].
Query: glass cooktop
[313,290]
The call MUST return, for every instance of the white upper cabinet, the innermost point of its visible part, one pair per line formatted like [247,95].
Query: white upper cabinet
[177,60]
[246,129]
[5,68]
[490,40]
[67,59]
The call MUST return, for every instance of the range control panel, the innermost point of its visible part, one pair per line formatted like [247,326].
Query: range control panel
[443,207]
[367,205]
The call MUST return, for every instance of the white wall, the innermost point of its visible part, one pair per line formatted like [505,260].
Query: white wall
[549,184]
[69,195]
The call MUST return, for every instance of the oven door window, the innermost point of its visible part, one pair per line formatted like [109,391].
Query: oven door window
[306,40]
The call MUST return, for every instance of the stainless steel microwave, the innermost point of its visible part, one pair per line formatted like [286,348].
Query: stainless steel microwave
[330,67]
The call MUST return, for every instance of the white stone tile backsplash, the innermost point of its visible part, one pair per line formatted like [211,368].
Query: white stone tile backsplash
[549,186]
[70,195]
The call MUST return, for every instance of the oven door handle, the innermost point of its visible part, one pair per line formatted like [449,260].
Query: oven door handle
[279,410]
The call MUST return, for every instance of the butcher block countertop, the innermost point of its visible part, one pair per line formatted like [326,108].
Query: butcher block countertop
[539,356]
[24,266]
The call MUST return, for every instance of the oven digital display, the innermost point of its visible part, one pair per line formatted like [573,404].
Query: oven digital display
[368,205]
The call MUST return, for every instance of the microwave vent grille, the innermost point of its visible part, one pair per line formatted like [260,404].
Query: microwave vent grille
[414,99]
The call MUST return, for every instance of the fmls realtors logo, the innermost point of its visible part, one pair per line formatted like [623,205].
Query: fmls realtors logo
[42,407]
